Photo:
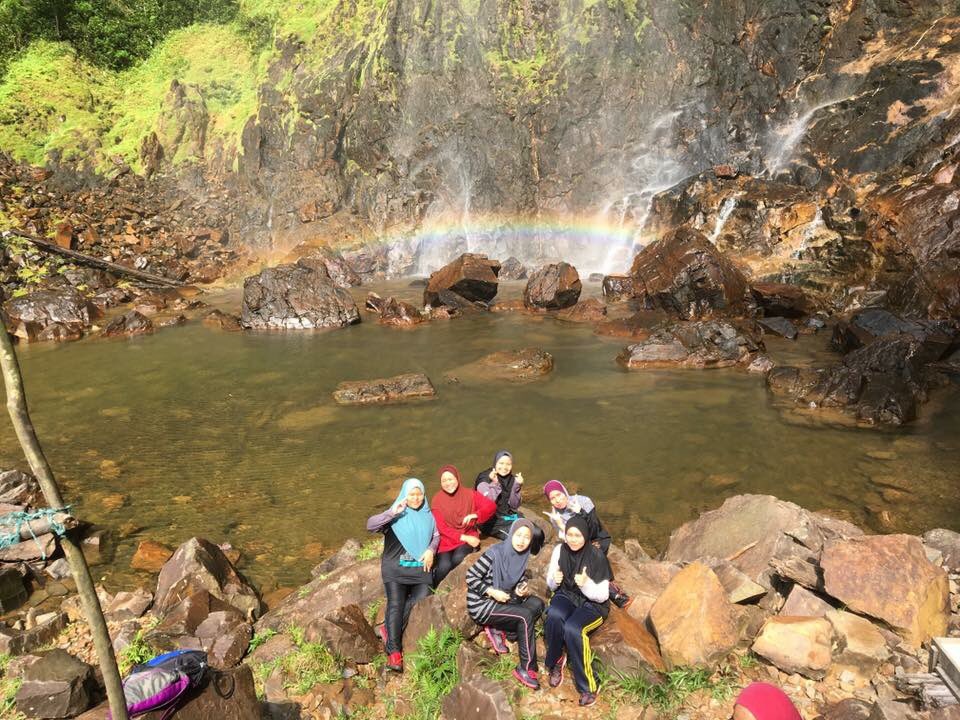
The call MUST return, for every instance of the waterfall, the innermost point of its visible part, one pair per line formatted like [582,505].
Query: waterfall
[654,168]
[785,139]
[726,210]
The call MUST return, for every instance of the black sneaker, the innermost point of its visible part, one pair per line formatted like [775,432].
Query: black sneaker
[556,674]
[587,699]
[527,679]
[619,598]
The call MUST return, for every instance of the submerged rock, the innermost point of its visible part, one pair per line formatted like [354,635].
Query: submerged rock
[300,296]
[222,320]
[684,274]
[514,365]
[385,390]
[553,287]
[61,314]
[130,323]
[703,344]
[471,277]
[591,310]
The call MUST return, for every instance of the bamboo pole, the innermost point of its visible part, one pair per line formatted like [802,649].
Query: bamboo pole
[19,415]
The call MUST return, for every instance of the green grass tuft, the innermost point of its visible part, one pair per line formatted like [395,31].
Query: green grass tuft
[371,549]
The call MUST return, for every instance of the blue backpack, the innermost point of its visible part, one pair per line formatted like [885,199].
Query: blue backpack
[163,682]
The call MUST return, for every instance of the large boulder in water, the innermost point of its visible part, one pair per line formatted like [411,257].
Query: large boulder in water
[890,578]
[472,277]
[301,296]
[199,565]
[553,287]
[684,274]
[61,314]
[702,344]
[882,383]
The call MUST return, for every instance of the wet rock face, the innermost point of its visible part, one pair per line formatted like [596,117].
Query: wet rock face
[339,270]
[704,344]
[471,277]
[62,314]
[400,388]
[553,287]
[512,269]
[617,287]
[296,297]
[781,300]
[684,274]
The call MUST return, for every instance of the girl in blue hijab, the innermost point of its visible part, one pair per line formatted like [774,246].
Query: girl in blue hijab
[410,541]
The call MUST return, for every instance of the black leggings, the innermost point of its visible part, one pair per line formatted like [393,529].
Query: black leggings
[521,619]
[400,600]
[447,561]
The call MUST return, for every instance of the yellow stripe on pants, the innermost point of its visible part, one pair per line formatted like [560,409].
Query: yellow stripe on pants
[587,655]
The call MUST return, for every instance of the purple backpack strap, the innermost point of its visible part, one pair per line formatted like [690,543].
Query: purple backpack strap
[153,689]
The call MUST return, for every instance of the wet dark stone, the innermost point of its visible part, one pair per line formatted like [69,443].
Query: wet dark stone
[553,287]
[130,323]
[296,297]
[703,344]
[61,314]
[471,277]
[779,326]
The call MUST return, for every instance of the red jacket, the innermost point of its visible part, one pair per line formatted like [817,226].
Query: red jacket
[450,536]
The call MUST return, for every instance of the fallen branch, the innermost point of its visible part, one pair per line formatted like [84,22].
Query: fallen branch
[96,262]
[40,526]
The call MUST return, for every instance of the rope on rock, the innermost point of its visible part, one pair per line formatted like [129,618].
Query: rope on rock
[19,521]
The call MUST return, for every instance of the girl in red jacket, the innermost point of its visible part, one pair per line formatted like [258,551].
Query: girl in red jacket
[459,512]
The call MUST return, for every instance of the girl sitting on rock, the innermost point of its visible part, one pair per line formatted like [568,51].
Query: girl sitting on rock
[459,512]
[579,575]
[499,599]
[499,484]
[566,506]
[410,540]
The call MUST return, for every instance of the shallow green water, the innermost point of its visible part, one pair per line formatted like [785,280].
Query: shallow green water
[235,436]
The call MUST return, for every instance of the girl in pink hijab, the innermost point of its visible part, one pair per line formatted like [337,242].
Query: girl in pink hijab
[763,701]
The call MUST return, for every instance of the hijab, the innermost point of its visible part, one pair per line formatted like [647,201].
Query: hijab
[588,557]
[453,507]
[506,564]
[585,503]
[767,702]
[413,528]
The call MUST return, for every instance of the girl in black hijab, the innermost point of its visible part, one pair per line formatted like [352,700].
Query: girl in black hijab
[579,575]
[499,484]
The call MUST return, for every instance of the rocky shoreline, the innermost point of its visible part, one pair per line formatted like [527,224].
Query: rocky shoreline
[758,588]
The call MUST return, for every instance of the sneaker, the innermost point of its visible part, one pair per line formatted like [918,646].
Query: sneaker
[498,641]
[382,631]
[587,699]
[618,597]
[556,674]
[527,679]
[395,662]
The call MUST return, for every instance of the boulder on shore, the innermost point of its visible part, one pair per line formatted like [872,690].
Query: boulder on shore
[130,323]
[471,277]
[553,287]
[890,578]
[300,296]
[410,386]
[57,685]
[702,344]
[694,622]
[797,645]
[684,274]
[199,565]
[60,314]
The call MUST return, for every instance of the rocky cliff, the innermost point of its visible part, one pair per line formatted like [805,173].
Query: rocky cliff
[551,130]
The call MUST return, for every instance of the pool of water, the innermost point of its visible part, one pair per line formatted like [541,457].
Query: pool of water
[235,436]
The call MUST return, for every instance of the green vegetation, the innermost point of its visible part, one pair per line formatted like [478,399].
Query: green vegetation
[373,609]
[112,34]
[8,691]
[137,652]
[499,669]
[677,686]
[260,638]
[308,664]
[432,671]
[371,549]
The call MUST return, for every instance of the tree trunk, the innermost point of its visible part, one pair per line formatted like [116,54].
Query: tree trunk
[19,415]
